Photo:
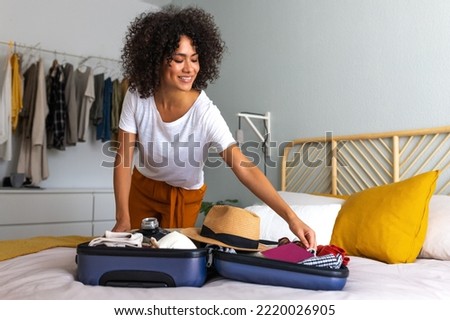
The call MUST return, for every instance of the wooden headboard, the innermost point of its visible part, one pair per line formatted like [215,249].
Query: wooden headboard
[343,165]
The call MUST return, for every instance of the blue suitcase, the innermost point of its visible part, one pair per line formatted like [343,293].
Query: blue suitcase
[148,268]
[141,267]
[250,268]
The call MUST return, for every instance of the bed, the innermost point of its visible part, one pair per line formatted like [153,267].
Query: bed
[320,178]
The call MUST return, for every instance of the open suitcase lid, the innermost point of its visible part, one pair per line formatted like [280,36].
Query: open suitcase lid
[250,268]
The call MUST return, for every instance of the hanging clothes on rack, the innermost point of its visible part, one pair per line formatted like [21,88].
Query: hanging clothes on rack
[97,107]
[33,149]
[117,100]
[5,109]
[56,119]
[85,96]
[42,112]
[120,88]
[71,106]
[16,90]
[104,127]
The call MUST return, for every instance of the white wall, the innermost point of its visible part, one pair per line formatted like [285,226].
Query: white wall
[345,66]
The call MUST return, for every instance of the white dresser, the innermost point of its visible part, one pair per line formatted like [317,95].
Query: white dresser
[27,213]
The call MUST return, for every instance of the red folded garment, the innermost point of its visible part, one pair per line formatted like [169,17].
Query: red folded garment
[290,252]
[331,248]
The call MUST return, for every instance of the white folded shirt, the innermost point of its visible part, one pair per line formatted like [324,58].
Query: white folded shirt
[119,239]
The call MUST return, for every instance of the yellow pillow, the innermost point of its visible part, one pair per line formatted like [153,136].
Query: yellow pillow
[386,223]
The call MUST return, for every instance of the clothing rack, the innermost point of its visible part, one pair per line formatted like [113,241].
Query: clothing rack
[37,47]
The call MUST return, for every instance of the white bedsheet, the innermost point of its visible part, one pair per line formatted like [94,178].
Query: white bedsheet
[50,274]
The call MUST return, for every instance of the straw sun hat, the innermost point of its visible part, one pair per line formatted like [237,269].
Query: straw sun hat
[230,227]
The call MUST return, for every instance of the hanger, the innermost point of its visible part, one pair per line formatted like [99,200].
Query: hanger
[82,66]
[64,59]
[100,68]
[12,46]
[30,54]
[55,62]
[117,75]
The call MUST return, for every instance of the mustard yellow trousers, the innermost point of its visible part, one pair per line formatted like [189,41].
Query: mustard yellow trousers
[174,207]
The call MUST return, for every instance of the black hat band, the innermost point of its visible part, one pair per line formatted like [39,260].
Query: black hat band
[229,239]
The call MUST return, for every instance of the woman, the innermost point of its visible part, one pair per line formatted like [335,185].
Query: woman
[169,58]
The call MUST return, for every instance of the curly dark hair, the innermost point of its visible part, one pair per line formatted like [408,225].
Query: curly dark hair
[154,36]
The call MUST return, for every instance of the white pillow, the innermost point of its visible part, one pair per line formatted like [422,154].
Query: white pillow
[437,240]
[320,218]
[302,199]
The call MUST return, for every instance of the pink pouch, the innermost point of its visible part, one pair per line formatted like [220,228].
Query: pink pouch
[290,252]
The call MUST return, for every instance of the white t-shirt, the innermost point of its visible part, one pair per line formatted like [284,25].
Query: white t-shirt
[175,152]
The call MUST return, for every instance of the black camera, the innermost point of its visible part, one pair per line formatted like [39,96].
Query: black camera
[150,228]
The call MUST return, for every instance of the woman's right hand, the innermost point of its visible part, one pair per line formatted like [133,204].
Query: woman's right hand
[122,226]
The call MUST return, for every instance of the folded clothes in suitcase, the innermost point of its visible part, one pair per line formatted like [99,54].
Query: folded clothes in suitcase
[141,267]
[250,268]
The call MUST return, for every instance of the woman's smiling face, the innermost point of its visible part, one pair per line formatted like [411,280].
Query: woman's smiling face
[181,71]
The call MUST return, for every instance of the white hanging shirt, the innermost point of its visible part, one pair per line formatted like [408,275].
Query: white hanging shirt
[5,109]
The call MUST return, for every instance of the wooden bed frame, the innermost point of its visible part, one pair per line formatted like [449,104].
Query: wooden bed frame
[343,165]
